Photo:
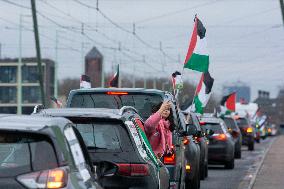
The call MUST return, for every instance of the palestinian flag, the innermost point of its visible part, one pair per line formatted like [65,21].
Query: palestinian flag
[197,57]
[56,101]
[203,93]
[177,80]
[85,82]
[228,103]
[115,79]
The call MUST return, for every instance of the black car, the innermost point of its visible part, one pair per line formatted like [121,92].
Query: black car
[221,144]
[192,153]
[202,140]
[38,152]
[117,147]
[143,101]
[248,132]
[236,134]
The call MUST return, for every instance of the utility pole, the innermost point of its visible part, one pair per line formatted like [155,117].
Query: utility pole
[82,49]
[0,50]
[19,72]
[282,9]
[145,81]
[56,66]
[134,77]
[38,55]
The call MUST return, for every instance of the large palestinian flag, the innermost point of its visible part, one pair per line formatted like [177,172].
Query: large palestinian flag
[228,103]
[197,57]
[115,79]
[203,93]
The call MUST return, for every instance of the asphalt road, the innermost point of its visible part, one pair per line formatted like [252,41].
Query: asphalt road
[240,176]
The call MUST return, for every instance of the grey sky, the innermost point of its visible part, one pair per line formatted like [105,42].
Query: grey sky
[245,37]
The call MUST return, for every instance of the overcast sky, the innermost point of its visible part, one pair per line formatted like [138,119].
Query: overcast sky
[245,37]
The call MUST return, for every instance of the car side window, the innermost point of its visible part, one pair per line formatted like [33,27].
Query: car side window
[76,152]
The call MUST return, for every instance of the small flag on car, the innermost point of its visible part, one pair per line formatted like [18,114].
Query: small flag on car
[115,78]
[85,82]
[56,101]
[228,104]
[177,80]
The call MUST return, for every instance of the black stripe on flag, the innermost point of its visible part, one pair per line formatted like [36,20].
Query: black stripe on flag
[208,81]
[201,30]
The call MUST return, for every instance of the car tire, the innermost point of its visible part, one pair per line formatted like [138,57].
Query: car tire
[257,140]
[202,172]
[251,146]
[238,153]
[194,183]
[206,170]
[230,164]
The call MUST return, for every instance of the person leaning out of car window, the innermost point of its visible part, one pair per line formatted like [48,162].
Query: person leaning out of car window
[159,127]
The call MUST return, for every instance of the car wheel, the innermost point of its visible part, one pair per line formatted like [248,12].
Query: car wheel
[257,140]
[202,172]
[230,164]
[206,170]
[192,184]
[238,153]
[251,146]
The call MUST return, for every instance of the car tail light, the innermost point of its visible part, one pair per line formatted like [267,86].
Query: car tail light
[170,159]
[51,179]
[249,130]
[126,169]
[269,130]
[220,137]
[198,139]
[186,141]
[202,123]
[117,93]
[187,168]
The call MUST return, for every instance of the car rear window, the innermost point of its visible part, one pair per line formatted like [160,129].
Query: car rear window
[142,102]
[242,122]
[25,152]
[216,127]
[230,123]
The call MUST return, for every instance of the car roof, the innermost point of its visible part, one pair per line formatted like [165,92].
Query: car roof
[83,112]
[30,123]
[120,89]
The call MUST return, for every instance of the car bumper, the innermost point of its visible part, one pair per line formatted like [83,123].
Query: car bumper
[220,153]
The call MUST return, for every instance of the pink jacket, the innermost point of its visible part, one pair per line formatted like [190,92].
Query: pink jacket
[158,133]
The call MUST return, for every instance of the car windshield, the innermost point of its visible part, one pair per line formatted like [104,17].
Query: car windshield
[230,123]
[142,102]
[25,152]
[242,122]
[216,127]
[101,136]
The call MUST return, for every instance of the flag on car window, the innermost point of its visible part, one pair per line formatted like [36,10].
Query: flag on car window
[85,82]
[228,104]
[197,57]
[115,79]
[56,101]
[202,94]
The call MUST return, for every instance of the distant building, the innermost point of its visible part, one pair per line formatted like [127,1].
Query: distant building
[242,90]
[94,66]
[30,84]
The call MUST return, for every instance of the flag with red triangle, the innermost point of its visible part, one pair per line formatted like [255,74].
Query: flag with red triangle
[115,78]
[228,103]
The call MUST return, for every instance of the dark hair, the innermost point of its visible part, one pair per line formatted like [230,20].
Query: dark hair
[156,107]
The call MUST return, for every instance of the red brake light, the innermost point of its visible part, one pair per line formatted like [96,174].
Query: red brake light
[202,123]
[185,141]
[221,137]
[170,159]
[117,93]
[126,169]
[51,179]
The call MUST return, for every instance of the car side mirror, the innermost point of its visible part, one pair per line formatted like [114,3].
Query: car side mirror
[191,129]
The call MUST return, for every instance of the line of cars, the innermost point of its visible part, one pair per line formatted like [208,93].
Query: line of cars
[97,141]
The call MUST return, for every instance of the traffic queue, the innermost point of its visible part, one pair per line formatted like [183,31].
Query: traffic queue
[118,138]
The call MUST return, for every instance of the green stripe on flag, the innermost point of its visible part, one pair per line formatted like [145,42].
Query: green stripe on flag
[198,105]
[148,147]
[198,62]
